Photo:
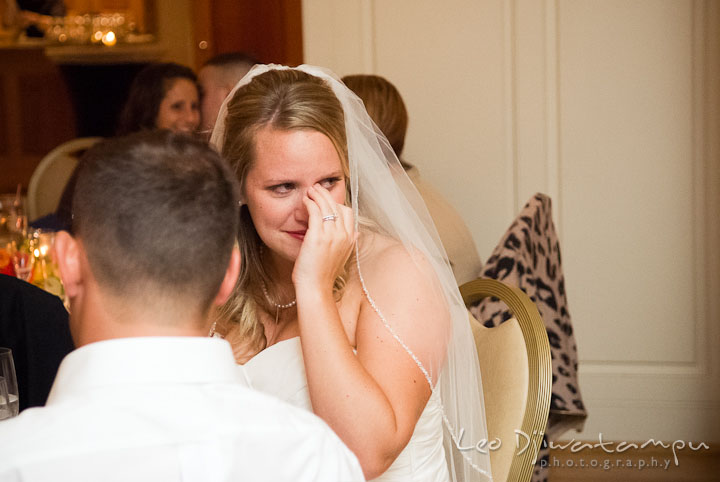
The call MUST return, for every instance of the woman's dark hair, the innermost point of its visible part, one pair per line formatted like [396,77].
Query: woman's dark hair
[147,91]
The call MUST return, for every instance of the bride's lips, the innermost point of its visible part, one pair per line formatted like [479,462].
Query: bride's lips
[297,234]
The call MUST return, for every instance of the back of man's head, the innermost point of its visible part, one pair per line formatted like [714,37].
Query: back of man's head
[216,79]
[232,60]
[157,215]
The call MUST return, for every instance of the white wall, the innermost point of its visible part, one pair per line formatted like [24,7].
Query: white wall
[613,109]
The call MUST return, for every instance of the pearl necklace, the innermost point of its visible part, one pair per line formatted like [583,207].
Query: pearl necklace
[277,306]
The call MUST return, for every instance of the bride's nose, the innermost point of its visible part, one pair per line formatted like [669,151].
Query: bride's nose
[299,210]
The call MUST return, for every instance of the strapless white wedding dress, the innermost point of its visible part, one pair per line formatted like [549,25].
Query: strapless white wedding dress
[279,370]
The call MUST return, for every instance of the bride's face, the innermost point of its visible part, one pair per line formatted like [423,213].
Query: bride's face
[287,163]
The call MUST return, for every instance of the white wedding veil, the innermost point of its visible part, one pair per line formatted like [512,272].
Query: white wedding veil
[381,193]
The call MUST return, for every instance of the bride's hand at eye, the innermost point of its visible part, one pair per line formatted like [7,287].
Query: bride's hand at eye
[328,241]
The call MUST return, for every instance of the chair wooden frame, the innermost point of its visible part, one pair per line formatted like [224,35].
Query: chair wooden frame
[66,154]
[537,406]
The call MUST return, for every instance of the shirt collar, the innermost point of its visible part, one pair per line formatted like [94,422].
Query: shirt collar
[144,360]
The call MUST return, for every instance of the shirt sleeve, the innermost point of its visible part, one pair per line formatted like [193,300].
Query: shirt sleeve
[242,376]
[9,475]
[336,462]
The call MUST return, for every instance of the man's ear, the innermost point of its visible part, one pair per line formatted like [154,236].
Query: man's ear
[67,256]
[231,276]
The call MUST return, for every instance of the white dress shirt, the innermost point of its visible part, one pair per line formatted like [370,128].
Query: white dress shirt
[166,409]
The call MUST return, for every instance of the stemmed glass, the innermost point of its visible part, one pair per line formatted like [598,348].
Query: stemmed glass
[12,213]
[9,402]
[13,232]
[23,263]
[46,273]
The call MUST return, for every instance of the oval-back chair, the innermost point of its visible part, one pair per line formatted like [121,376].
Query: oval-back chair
[52,173]
[516,370]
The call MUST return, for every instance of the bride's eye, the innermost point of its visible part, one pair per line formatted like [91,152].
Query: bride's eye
[330,182]
[283,188]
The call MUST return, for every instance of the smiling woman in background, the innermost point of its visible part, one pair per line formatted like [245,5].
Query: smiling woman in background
[162,96]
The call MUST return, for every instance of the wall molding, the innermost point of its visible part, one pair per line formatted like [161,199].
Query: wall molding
[701,211]
[619,368]
[510,107]
[367,29]
[552,113]
[537,121]
[700,366]
[670,404]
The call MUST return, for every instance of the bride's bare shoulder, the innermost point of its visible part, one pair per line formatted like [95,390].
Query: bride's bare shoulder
[383,257]
[401,283]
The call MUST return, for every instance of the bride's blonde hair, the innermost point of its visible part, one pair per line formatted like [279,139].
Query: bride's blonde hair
[285,100]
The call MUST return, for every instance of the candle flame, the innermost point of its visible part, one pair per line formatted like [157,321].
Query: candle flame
[109,39]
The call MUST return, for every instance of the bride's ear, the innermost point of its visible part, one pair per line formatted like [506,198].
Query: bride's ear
[231,276]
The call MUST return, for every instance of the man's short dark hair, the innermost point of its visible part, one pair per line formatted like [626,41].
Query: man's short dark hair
[157,213]
[231,59]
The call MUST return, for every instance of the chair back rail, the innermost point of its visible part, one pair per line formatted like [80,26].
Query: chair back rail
[52,173]
[534,414]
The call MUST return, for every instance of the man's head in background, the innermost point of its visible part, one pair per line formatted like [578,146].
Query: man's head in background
[155,218]
[217,78]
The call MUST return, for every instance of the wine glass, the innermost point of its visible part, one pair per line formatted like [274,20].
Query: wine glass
[6,210]
[9,402]
[7,247]
[18,223]
[13,221]
[46,274]
[23,263]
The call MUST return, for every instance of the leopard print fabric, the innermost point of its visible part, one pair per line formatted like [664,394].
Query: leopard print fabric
[528,256]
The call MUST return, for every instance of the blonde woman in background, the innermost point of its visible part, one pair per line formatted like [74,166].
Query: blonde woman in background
[387,109]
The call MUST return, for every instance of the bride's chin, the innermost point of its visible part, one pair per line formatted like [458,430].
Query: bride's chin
[288,255]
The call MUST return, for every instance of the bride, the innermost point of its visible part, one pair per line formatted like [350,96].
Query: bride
[346,304]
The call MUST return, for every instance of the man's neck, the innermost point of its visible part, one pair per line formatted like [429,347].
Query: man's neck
[104,317]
